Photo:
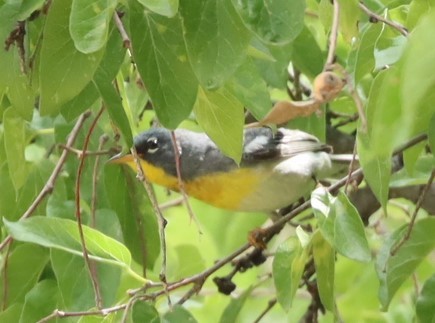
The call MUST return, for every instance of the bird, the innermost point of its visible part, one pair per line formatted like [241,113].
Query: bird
[277,167]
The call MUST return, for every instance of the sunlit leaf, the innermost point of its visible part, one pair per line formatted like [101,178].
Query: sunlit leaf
[63,234]
[167,8]
[221,116]
[89,23]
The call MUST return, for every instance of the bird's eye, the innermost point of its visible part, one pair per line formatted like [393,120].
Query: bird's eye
[152,145]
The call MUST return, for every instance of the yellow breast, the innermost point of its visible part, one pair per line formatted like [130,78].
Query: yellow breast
[224,190]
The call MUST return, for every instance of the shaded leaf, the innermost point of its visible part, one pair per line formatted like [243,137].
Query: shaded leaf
[15,143]
[40,301]
[127,198]
[232,311]
[275,22]
[21,277]
[288,267]
[63,70]
[160,54]
[307,55]
[250,89]
[89,23]
[144,312]
[109,66]
[425,307]
[393,271]
[324,260]
[221,116]
[178,314]
[216,40]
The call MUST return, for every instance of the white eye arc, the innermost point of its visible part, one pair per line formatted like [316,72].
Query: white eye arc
[152,145]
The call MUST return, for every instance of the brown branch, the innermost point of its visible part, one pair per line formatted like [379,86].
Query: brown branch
[103,139]
[374,17]
[79,152]
[160,218]
[89,264]
[177,152]
[49,185]
[333,37]
[118,22]
[270,305]
[414,215]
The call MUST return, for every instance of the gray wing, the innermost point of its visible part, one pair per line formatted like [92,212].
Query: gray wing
[263,143]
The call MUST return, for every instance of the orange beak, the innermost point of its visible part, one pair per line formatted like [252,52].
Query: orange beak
[121,159]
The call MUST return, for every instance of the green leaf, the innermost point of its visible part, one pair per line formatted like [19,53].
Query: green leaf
[248,86]
[233,309]
[385,131]
[15,143]
[63,70]
[128,199]
[417,82]
[109,66]
[350,14]
[178,314]
[431,134]
[394,270]
[340,224]
[74,282]
[324,260]
[216,40]
[364,60]
[349,235]
[144,312]
[161,58]
[113,103]
[12,313]
[221,116]
[287,268]
[425,307]
[168,8]
[40,301]
[20,276]
[307,55]
[273,21]
[89,23]
[63,234]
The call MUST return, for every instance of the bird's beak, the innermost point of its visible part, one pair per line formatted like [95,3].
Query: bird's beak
[121,158]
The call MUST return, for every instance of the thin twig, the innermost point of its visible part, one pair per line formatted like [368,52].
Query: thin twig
[103,139]
[175,202]
[358,103]
[79,152]
[333,36]
[177,152]
[351,165]
[5,278]
[160,218]
[118,22]
[270,305]
[49,185]
[375,17]
[89,264]
[414,215]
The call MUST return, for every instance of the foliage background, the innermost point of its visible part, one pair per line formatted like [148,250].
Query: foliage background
[201,63]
